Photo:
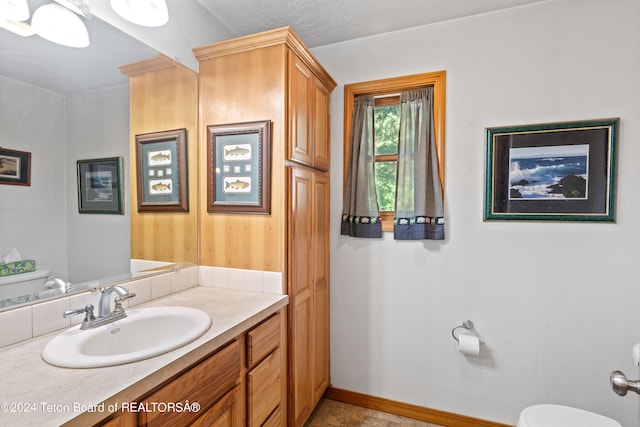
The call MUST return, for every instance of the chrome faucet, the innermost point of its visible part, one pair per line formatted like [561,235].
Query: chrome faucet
[104,306]
[105,314]
[57,283]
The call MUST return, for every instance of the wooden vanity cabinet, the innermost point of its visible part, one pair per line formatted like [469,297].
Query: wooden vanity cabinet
[241,384]
[207,383]
[265,374]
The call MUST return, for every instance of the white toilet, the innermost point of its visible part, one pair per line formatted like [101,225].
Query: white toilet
[23,283]
[562,416]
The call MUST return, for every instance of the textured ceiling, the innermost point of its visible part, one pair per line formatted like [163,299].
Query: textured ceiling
[321,22]
[317,22]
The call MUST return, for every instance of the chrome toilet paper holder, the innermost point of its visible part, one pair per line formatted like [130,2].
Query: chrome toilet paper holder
[468,325]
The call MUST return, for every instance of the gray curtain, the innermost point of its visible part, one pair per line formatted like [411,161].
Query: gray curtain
[360,212]
[419,205]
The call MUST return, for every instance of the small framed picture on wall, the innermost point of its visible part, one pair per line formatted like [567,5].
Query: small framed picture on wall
[238,168]
[15,167]
[161,171]
[100,184]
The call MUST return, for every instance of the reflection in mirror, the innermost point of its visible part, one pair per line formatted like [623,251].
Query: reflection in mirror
[64,104]
[33,289]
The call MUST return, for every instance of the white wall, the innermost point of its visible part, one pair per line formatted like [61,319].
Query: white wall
[42,220]
[33,218]
[98,126]
[557,303]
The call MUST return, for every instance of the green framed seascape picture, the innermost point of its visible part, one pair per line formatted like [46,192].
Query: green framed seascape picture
[555,172]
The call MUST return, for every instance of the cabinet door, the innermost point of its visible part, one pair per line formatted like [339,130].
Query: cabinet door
[274,420]
[320,283]
[225,413]
[320,126]
[301,89]
[204,383]
[300,295]
[263,390]
[122,419]
[308,289]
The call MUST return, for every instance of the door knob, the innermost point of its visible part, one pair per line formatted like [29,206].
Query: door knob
[621,385]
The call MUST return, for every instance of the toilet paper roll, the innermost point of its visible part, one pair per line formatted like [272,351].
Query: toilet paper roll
[636,354]
[468,344]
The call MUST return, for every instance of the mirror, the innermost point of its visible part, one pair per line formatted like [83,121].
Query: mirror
[61,105]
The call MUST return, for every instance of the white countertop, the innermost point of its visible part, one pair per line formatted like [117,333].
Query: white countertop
[34,393]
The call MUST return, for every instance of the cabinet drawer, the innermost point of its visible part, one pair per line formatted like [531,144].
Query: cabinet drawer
[262,339]
[263,389]
[223,414]
[205,383]
[274,419]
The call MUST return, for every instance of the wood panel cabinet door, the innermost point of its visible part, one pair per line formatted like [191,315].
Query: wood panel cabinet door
[204,383]
[320,283]
[308,289]
[224,413]
[300,295]
[263,390]
[301,87]
[320,126]
[309,116]
[121,419]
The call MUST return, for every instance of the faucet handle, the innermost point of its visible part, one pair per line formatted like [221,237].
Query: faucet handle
[87,310]
[118,301]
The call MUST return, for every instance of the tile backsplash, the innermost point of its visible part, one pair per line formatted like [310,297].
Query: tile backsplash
[42,318]
[269,282]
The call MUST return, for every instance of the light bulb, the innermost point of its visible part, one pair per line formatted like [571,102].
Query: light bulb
[59,25]
[14,10]
[148,13]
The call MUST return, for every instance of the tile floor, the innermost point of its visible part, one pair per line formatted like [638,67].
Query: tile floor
[332,413]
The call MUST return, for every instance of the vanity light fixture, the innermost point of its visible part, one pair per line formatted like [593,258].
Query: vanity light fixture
[20,28]
[12,13]
[148,13]
[14,10]
[59,25]
[77,6]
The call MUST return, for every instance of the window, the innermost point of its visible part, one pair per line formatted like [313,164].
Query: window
[386,116]
[386,126]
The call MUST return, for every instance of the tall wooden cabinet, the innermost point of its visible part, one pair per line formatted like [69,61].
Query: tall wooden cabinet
[308,289]
[273,76]
[163,96]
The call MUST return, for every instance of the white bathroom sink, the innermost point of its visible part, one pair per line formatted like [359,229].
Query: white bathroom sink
[144,333]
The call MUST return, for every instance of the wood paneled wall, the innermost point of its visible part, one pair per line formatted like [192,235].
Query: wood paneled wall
[242,83]
[164,96]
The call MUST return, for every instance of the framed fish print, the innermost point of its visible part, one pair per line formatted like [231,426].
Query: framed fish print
[554,172]
[15,167]
[161,160]
[238,169]
[100,183]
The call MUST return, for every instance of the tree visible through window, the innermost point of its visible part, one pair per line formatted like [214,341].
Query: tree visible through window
[386,126]
[386,129]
